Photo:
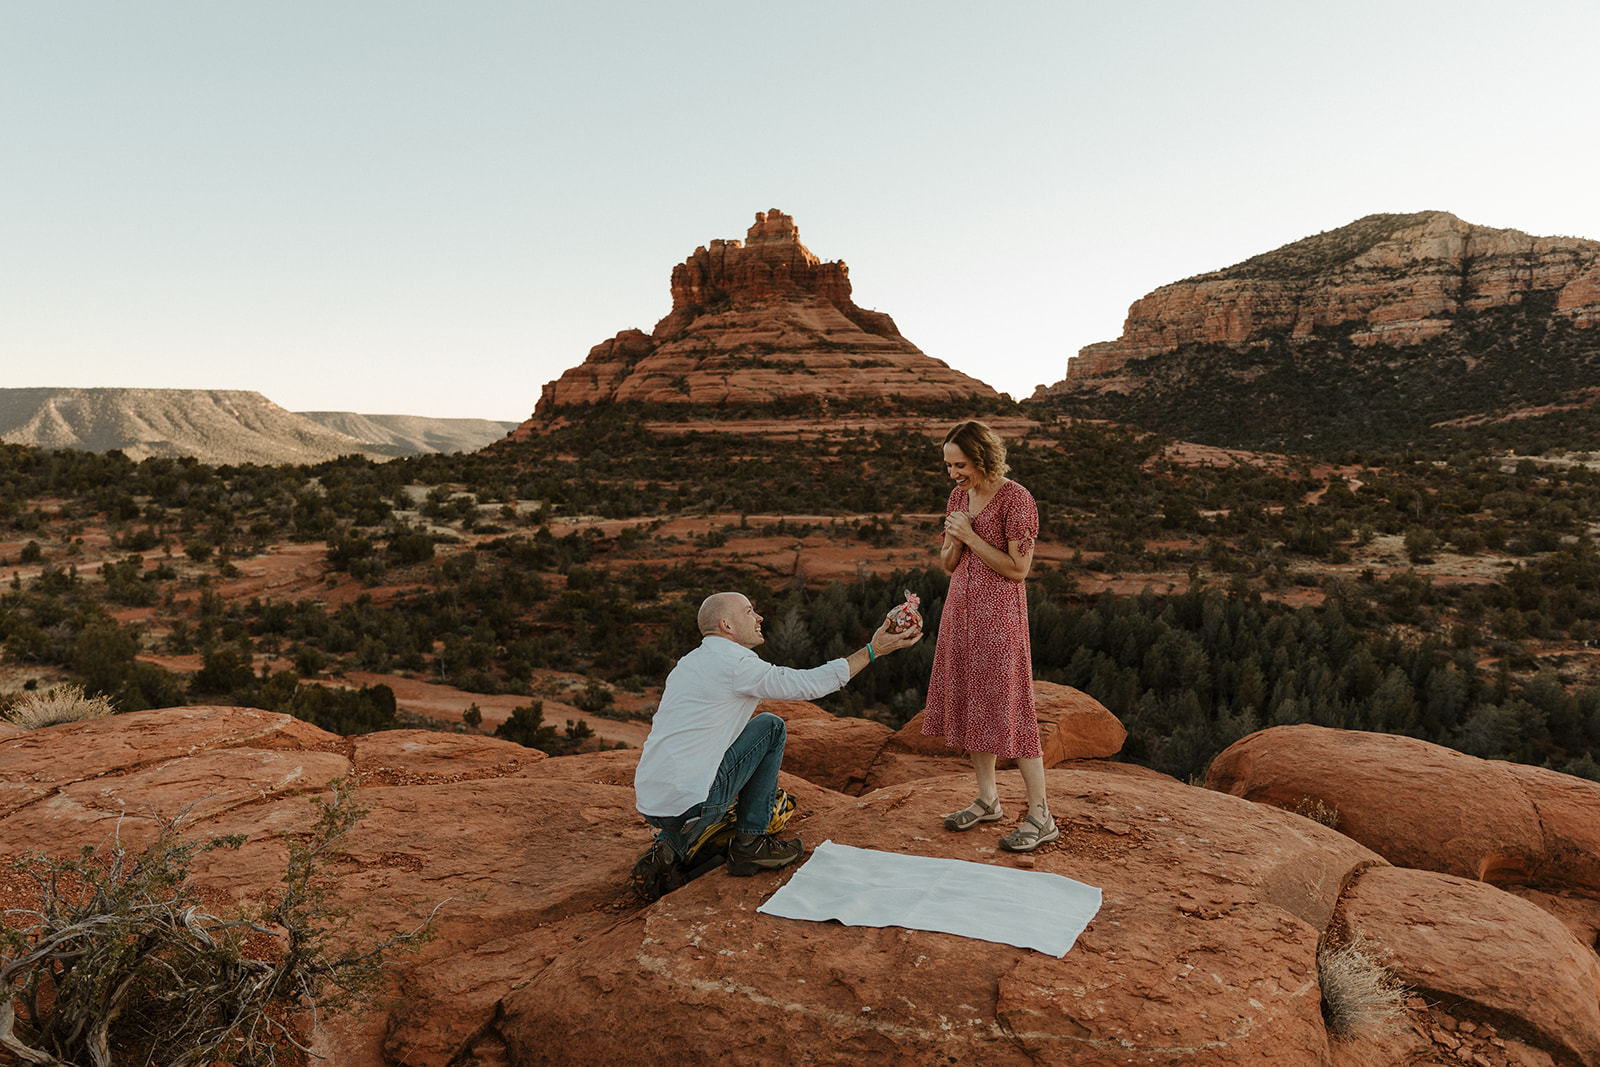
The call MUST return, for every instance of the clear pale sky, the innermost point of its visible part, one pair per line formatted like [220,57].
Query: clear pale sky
[435,208]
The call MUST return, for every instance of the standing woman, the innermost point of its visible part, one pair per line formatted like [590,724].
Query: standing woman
[981,694]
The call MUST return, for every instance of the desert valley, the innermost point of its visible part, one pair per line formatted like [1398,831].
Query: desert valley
[1315,616]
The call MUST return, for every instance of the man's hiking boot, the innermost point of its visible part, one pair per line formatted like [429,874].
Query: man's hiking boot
[765,853]
[657,872]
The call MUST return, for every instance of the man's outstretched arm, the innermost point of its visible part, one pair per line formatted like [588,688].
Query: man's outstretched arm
[883,642]
[759,678]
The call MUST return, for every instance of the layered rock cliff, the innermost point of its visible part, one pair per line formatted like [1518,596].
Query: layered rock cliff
[754,322]
[1392,279]
[1419,316]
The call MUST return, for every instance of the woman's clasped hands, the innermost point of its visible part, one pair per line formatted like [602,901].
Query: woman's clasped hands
[958,524]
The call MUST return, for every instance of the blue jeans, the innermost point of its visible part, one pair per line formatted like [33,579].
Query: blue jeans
[749,772]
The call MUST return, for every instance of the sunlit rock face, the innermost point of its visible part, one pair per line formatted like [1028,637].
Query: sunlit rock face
[1385,280]
[758,321]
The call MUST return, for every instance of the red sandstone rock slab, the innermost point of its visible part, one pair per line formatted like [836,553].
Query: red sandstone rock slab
[128,804]
[1420,805]
[858,755]
[796,711]
[34,763]
[1202,952]
[516,851]
[1072,725]
[1483,953]
[405,756]
[901,768]
[1127,770]
[835,752]
[525,867]
[451,1001]
[614,767]
[536,864]
[512,852]
[894,767]
[1569,814]
[1578,908]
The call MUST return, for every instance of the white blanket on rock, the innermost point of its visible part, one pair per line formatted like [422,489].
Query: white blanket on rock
[864,887]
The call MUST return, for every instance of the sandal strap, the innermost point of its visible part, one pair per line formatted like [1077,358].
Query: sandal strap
[1039,828]
[967,818]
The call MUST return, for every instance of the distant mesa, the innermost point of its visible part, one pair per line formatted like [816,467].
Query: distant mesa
[412,435]
[223,426]
[1393,331]
[755,322]
[1384,281]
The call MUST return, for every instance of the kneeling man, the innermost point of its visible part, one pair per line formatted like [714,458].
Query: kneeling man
[705,749]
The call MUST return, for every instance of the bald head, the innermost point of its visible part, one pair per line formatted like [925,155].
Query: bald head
[717,607]
[730,615]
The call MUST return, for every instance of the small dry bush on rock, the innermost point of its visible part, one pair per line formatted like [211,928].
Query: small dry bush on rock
[66,704]
[1360,997]
[118,962]
[1315,810]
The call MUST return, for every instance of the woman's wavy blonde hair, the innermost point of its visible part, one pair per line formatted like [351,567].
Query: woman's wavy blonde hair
[981,445]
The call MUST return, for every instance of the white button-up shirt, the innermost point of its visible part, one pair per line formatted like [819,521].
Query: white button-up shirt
[709,697]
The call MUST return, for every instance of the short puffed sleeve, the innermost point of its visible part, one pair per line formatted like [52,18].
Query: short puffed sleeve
[1021,518]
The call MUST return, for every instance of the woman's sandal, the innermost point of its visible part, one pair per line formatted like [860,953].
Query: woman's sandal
[1030,834]
[966,818]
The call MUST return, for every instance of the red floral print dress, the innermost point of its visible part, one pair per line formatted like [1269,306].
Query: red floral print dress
[980,697]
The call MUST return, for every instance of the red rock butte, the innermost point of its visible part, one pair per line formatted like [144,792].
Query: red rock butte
[1392,280]
[754,322]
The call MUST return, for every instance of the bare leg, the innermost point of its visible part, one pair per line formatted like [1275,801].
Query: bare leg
[1033,780]
[1037,827]
[988,791]
[983,765]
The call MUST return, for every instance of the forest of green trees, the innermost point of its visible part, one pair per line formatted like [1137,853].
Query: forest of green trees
[1496,668]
